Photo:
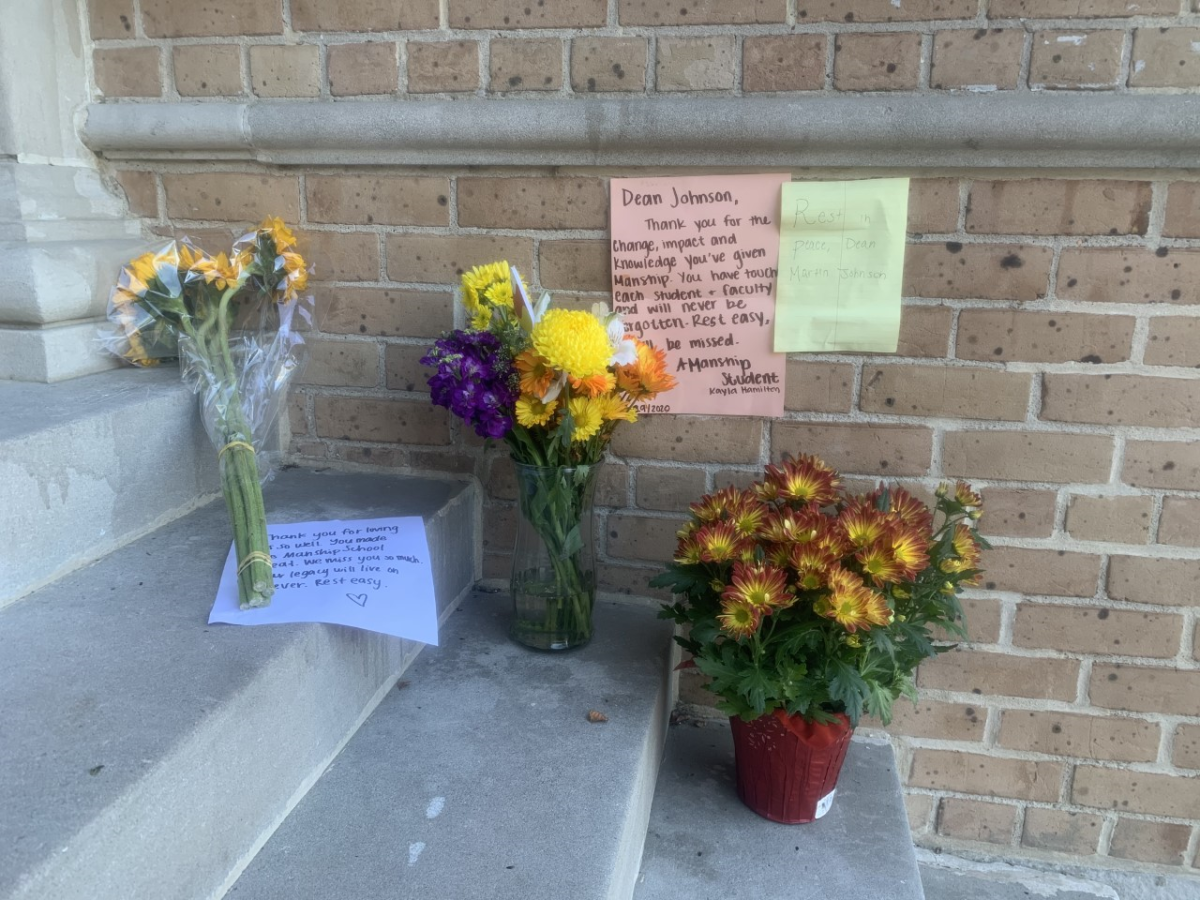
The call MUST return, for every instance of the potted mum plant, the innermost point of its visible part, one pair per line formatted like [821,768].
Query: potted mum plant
[807,607]
[553,384]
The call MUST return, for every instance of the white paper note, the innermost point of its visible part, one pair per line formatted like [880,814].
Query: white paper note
[366,573]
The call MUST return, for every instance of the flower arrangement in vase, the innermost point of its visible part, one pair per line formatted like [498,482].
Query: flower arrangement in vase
[807,606]
[553,383]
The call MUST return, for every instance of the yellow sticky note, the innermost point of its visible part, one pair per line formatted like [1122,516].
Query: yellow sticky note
[841,265]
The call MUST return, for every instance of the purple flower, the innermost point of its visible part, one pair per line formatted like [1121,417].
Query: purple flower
[474,380]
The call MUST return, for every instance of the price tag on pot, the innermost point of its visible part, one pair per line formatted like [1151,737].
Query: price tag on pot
[372,574]
[825,803]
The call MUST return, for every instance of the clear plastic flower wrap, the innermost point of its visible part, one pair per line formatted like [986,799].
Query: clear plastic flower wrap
[234,323]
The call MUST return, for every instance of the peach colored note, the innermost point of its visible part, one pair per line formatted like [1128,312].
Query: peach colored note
[694,261]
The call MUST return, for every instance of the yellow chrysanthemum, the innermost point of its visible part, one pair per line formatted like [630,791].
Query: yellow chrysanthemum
[531,411]
[614,409]
[573,341]
[477,284]
[278,231]
[587,417]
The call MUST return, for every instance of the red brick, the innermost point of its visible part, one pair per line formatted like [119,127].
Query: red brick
[1145,689]
[523,14]
[1152,842]
[1000,675]
[783,62]
[581,265]
[612,484]
[933,205]
[341,363]
[1017,513]
[536,203]
[404,371]
[1174,465]
[973,773]
[338,256]
[442,66]
[231,196]
[959,271]
[1075,59]
[608,64]
[1074,9]
[978,58]
[140,190]
[1183,210]
[1180,522]
[1114,275]
[691,439]
[285,71]
[442,259]
[695,64]
[935,719]
[876,62]
[1123,520]
[662,488]
[185,18]
[819,387]
[1165,58]
[1009,335]
[919,807]
[385,421]
[207,70]
[892,450]
[1028,456]
[363,68]
[1131,791]
[1122,400]
[941,391]
[525,65]
[1100,631]
[364,15]
[127,72]
[630,580]
[641,537]
[386,312]
[110,19]
[971,820]
[1187,747]
[378,199]
[1162,582]
[924,331]
[981,616]
[1059,573]
[882,10]
[1058,206]
[1062,830]
[1173,341]
[701,12]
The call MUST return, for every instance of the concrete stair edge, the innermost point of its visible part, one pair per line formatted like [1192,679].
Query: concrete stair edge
[288,698]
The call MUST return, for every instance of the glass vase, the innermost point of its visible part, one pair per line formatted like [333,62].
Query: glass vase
[553,567]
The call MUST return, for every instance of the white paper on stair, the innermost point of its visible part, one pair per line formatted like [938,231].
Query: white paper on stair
[366,573]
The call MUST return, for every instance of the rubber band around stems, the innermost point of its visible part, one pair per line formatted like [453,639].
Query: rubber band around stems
[232,444]
[255,556]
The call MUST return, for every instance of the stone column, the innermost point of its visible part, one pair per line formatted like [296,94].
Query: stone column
[62,233]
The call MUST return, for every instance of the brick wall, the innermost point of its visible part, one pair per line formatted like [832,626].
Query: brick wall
[1049,343]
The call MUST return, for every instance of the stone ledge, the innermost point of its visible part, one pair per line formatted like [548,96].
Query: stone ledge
[1020,129]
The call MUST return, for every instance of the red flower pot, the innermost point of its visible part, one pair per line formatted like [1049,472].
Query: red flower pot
[787,767]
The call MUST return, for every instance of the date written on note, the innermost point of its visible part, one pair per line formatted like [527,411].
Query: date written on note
[694,262]
[367,573]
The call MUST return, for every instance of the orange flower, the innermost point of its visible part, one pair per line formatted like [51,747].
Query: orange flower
[787,525]
[969,554]
[595,385]
[907,508]
[688,552]
[861,522]
[760,587]
[805,479]
[849,603]
[747,514]
[878,611]
[910,548]
[718,542]
[647,377]
[967,497]
[879,563]
[811,562]
[536,374]
[739,619]
[714,506]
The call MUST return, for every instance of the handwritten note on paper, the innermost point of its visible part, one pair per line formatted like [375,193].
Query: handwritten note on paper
[693,269]
[365,573]
[841,265]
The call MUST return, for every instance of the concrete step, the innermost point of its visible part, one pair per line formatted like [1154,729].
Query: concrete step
[483,778]
[145,754]
[703,844]
[87,464]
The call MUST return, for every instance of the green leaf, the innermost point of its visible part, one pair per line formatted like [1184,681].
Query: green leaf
[573,542]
